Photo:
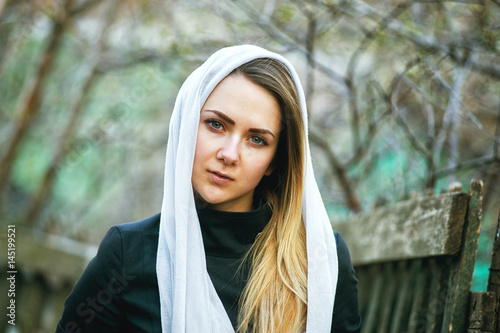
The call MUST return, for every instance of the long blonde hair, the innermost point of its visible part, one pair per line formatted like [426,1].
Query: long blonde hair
[275,297]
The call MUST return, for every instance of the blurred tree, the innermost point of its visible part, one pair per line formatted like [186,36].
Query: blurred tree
[30,104]
[403,96]
[75,113]
[407,69]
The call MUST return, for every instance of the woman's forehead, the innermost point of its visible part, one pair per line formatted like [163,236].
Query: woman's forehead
[239,99]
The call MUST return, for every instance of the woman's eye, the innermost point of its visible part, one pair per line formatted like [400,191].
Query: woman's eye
[215,124]
[258,140]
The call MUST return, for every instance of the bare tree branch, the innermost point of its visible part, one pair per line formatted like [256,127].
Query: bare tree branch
[476,163]
[423,93]
[477,125]
[425,151]
[310,41]
[10,8]
[32,102]
[339,171]
[353,106]
[106,66]
[449,119]
[423,41]
[470,2]
[286,39]
[82,8]
[431,126]
[76,111]
[430,44]
[455,94]
[496,143]
[351,67]
[409,134]
[373,126]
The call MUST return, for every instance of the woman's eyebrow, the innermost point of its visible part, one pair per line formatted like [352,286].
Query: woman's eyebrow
[230,121]
[223,116]
[261,131]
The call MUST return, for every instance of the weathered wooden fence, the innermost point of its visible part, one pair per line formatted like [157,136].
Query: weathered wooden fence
[414,261]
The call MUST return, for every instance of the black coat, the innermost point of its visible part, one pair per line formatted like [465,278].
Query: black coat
[118,291]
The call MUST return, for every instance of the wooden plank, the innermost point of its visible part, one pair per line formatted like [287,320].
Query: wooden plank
[49,255]
[482,312]
[388,300]
[370,318]
[416,322]
[401,298]
[400,320]
[366,277]
[494,278]
[417,228]
[433,290]
[461,275]
[437,297]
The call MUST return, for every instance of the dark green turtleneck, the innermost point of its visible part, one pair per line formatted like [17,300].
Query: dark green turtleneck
[227,237]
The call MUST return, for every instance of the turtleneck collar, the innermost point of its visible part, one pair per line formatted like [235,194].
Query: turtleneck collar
[231,234]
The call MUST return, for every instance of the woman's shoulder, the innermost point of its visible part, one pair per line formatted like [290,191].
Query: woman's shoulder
[150,225]
[131,237]
[342,249]
[118,290]
[346,316]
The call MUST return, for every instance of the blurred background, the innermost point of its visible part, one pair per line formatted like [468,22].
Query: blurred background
[403,97]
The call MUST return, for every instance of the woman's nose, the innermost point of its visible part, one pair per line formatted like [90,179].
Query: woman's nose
[229,152]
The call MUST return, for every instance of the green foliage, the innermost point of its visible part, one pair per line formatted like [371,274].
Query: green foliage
[483,263]
[285,13]
[31,163]
[18,68]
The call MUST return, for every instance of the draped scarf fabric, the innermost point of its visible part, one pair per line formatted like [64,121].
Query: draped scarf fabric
[188,299]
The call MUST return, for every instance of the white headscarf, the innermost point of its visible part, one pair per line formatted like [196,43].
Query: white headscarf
[189,301]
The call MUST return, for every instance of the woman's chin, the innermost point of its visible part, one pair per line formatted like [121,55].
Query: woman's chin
[202,202]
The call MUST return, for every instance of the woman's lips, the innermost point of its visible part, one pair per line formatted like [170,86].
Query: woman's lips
[219,178]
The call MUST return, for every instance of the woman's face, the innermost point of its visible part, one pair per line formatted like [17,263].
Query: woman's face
[237,139]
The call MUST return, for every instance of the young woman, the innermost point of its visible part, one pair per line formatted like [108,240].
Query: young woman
[243,242]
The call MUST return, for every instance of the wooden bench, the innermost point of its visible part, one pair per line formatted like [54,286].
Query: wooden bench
[414,262]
